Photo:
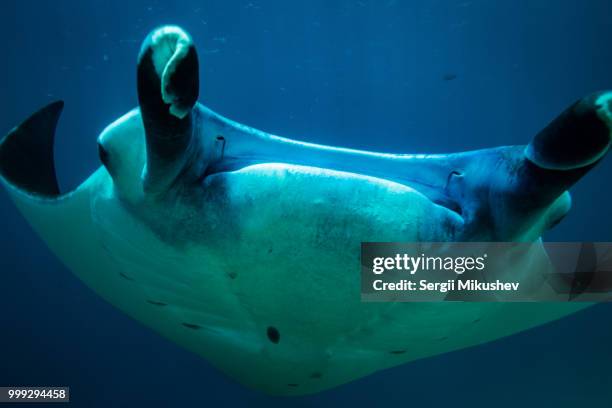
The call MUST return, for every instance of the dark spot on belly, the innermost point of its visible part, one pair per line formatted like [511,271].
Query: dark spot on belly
[273,334]
[156,303]
[192,326]
[397,351]
[269,250]
[293,385]
[232,275]
[316,374]
[124,276]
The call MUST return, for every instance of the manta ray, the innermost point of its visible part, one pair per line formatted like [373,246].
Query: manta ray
[243,246]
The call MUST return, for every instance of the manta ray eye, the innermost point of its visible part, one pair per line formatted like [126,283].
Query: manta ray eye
[103,153]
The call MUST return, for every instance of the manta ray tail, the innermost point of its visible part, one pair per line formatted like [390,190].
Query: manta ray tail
[26,153]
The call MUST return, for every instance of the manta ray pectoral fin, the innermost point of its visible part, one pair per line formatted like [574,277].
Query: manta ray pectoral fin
[66,221]
[63,220]
[26,153]
[168,88]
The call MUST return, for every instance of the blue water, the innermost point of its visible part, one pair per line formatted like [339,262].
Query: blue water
[365,74]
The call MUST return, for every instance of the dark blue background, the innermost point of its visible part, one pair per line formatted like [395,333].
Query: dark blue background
[366,74]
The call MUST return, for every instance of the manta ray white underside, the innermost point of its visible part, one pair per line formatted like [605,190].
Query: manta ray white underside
[244,247]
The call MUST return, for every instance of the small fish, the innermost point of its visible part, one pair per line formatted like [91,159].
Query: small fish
[449,77]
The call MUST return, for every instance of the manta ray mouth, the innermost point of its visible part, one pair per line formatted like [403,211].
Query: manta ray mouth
[435,194]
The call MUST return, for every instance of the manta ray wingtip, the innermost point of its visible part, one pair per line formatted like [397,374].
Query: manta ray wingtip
[26,152]
[53,108]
